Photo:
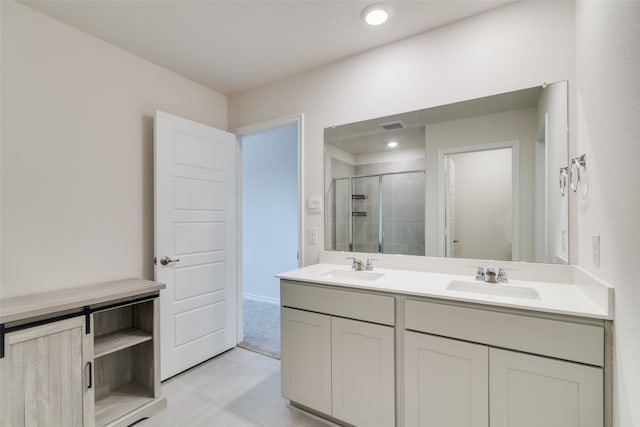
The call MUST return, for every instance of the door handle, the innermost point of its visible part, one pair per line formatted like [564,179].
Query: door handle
[165,260]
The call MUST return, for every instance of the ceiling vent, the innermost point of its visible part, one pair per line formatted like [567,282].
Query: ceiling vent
[392,125]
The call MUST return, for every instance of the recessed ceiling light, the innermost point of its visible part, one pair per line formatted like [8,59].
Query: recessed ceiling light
[392,144]
[376,14]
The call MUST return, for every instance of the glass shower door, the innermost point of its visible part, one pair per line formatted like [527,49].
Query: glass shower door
[365,214]
[341,220]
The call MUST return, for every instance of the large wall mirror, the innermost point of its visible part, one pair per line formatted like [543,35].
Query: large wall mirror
[476,179]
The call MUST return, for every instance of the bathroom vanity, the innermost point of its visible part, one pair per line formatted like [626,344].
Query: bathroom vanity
[81,356]
[400,347]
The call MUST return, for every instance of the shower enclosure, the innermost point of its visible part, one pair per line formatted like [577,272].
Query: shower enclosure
[377,213]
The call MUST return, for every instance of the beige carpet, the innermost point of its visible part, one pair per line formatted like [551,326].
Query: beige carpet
[261,327]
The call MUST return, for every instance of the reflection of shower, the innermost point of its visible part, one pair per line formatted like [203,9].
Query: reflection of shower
[378,213]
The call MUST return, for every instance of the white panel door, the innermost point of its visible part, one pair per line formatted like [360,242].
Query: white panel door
[445,382]
[363,373]
[533,391]
[306,358]
[195,229]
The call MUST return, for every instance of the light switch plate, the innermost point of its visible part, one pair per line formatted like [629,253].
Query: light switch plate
[314,205]
[313,235]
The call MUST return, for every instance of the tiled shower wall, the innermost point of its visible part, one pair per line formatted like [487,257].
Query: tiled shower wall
[403,214]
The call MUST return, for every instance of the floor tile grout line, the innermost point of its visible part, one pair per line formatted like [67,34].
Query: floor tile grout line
[198,391]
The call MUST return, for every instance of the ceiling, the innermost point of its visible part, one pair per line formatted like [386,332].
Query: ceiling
[235,45]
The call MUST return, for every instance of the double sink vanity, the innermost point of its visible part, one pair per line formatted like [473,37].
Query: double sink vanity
[429,338]
[419,342]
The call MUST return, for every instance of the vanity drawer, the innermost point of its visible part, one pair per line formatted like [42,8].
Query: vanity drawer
[569,340]
[353,305]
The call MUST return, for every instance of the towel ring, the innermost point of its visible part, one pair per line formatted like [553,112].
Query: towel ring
[577,163]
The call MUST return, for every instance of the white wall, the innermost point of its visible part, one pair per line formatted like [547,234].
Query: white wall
[269,210]
[608,132]
[391,156]
[77,153]
[514,47]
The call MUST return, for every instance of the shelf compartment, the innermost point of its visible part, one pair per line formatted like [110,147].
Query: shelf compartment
[120,339]
[125,371]
[118,402]
[139,316]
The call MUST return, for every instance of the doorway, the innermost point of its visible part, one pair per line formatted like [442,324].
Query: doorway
[479,202]
[270,230]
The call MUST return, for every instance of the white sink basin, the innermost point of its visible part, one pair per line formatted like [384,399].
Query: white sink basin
[498,289]
[366,276]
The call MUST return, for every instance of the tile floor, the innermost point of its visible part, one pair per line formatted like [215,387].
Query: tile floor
[236,389]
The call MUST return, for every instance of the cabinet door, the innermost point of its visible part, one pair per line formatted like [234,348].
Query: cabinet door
[445,382]
[363,370]
[306,358]
[43,376]
[533,391]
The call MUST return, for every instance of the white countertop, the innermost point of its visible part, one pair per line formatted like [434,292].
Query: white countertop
[560,298]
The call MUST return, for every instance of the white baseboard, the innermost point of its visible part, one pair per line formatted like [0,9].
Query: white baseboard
[261,298]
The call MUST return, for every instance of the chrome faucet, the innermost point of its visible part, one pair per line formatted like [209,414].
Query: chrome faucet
[489,274]
[502,276]
[480,275]
[369,266]
[357,264]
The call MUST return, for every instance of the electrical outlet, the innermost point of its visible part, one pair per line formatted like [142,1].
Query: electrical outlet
[313,235]
[595,244]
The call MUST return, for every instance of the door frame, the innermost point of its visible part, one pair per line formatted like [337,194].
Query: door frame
[298,120]
[515,189]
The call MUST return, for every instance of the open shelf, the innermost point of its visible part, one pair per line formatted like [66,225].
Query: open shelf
[121,401]
[125,363]
[119,340]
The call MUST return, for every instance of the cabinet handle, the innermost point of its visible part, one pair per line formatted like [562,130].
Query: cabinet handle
[89,375]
